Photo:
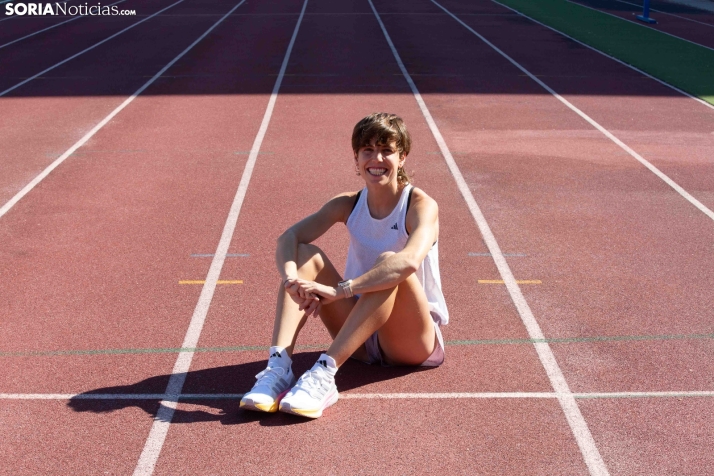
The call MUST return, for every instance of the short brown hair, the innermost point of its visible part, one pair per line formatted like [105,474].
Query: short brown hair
[384,128]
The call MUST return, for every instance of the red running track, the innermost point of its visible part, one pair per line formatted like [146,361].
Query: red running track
[45,117]
[93,255]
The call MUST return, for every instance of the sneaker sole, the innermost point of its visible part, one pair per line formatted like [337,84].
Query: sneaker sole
[311,413]
[249,404]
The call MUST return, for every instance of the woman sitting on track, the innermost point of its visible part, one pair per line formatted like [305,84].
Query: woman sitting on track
[390,305]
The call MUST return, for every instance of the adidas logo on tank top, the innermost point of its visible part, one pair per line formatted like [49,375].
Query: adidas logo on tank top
[395,227]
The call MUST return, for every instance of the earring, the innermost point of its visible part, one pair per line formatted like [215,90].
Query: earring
[357,169]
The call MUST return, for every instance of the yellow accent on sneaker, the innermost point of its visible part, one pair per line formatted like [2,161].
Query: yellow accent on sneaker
[267,407]
[307,413]
[261,407]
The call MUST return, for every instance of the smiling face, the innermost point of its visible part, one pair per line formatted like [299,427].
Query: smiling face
[381,144]
[378,163]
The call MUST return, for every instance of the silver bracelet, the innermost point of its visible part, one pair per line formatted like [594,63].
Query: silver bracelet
[346,287]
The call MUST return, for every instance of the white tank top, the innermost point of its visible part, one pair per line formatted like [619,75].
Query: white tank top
[370,237]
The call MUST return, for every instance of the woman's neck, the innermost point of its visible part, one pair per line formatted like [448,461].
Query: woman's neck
[382,199]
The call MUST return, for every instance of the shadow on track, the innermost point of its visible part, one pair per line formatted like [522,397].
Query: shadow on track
[236,60]
[230,379]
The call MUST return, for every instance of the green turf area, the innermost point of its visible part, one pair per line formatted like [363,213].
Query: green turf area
[682,64]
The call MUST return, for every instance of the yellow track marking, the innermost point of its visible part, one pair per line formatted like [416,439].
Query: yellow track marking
[188,281]
[500,281]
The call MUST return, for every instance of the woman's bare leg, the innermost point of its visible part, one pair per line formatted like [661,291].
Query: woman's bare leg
[312,265]
[400,315]
[408,337]
[401,318]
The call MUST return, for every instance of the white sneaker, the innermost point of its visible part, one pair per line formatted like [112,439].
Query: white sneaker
[314,391]
[273,383]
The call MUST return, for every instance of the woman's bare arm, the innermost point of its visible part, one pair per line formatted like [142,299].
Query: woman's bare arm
[423,221]
[308,230]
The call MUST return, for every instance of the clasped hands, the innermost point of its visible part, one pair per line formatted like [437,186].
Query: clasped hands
[309,295]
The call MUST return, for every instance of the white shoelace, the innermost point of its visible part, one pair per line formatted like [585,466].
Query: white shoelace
[315,383]
[269,376]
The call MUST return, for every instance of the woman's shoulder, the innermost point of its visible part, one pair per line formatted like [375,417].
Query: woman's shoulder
[347,198]
[343,204]
[420,199]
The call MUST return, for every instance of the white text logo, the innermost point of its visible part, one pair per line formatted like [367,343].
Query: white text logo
[57,8]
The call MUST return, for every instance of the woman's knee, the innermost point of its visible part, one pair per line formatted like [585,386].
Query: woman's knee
[309,260]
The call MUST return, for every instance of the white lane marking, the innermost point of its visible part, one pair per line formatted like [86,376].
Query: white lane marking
[160,427]
[19,195]
[591,121]
[483,395]
[444,395]
[356,396]
[53,26]
[640,24]
[87,49]
[575,419]
[701,101]
[666,13]
[671,394]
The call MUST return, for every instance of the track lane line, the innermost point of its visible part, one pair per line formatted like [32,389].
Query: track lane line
[160,427]
[449,343]
[358,396]
[575,419]
[87,49]
[686,195]
[54,26]
[519,395]
[640,24]
[19,195]
[681,91]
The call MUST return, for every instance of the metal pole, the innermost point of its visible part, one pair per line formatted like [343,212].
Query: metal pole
[645,17]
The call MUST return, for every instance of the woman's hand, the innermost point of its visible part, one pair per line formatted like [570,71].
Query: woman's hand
[309,302]
[326,294]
